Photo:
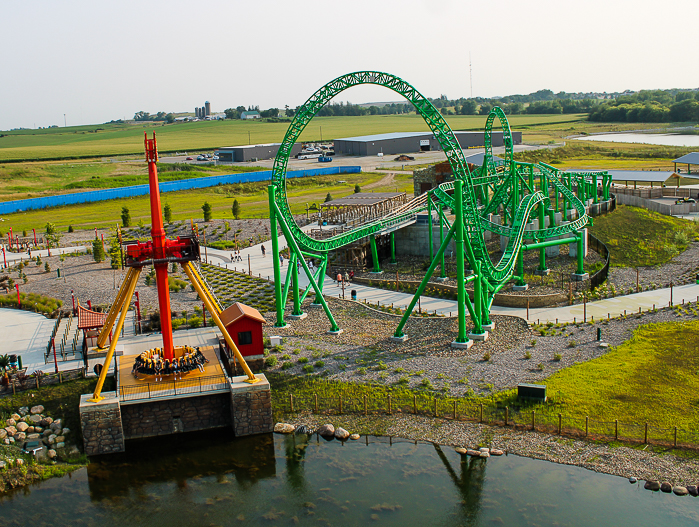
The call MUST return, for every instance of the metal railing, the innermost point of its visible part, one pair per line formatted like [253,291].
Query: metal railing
[155,390]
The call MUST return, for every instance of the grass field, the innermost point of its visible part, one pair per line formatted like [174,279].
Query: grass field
[654,377]
[127,139]
[252,198]
[639,237]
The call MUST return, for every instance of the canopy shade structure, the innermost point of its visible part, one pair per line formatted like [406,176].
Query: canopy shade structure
[689,159]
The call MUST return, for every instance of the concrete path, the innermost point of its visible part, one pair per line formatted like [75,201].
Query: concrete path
[13,258]
[263,267]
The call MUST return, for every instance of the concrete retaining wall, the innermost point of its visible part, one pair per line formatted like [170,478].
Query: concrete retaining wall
[662,208]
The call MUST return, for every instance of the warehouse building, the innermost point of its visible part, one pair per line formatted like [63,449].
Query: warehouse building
[252,152]
[408,142]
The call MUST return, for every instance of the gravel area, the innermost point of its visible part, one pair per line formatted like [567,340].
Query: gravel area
[513,353]
[621,461]
[682,269]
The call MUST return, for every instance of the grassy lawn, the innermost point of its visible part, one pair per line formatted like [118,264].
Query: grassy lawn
[639,237]
[654,378]
[252,198]
[127,138]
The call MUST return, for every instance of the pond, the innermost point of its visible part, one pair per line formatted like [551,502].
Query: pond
[650,139]
[214,479]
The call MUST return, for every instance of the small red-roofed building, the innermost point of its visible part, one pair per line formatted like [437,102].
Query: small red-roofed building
[244,325]
[91,323]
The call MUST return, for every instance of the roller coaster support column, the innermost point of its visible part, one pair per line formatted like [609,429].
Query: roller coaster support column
[375,254]
[321,282]
[580,273]
[429,225]
[461,340]
[479,306]
[443,272]
[594,188]
[294,248]
[275,258]
[393,248]
[542,270]
[297,313]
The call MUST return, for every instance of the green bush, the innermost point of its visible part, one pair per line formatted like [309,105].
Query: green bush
[319,364]
[195,322]
[271,362]
[287,365]
[302,360]
[308,368]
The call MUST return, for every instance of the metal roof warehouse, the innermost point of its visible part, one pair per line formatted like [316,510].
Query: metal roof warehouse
[405,142]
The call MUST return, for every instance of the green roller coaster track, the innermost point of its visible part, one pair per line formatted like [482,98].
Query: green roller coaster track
[496,198]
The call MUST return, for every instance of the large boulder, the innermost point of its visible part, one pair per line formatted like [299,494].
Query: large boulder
[51,453]
[52,439]
[16,417]
[65,431]
[665,486]
[33,437]
[3,433]
[692,489]
[24,410]
[327,430]
[36,419]
[300,430]
[20,436]
[354,437]
[38,409]
[11,430]
[11,422]
[341,434]
[60,445]
[651,484]
[22,426]
[56,425]
[472,452]
[279,428]
[460,450]
[46,421]
[496,452]
[680,490]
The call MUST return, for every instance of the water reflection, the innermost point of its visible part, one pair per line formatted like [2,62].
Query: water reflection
[212,478]
[180,458]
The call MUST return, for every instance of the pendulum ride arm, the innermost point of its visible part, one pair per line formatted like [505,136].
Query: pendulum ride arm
[122,298]
[125,300]
[196,276]
[206,298]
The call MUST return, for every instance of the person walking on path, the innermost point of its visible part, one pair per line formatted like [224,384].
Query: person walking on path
[281,260]
[263,250]
[339,279]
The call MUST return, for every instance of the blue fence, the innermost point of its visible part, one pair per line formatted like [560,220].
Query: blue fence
[19,205]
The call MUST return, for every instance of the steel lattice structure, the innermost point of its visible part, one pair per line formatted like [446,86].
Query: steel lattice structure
[517,190]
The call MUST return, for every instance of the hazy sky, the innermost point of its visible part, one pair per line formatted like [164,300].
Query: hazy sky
[101,60]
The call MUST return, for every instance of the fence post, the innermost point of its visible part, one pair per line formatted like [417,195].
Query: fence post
[366,411]
[645,436]
[481,417]
[533,420]
[415,404]
[291,403]
[37,382]
[616,429]
[454,410]
[675,437]
[507,414]
[340,398]
[587,422]
[315,406]
[560,424]
[390,406]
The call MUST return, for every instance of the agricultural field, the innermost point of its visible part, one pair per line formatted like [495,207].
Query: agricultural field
[126,139]
[31,180]
[252,198]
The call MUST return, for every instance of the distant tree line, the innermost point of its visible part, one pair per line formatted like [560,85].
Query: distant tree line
[160,116]
[650,106]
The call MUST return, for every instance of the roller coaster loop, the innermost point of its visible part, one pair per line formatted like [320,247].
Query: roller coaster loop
[518,201]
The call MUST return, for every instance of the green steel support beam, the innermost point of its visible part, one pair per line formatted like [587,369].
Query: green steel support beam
[393,247]
[375,254]
[275,257]
[459,242]
[581,256]
[297,294]
[287,282]
[442,220]
[429,225]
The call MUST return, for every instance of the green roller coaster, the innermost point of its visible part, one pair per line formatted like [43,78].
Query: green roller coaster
[519,201]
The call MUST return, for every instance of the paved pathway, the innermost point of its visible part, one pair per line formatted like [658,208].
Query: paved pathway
[263,267]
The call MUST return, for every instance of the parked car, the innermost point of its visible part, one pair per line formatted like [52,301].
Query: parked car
[215,158]
[189,158]
[325,159]
[32,447]
[201,158]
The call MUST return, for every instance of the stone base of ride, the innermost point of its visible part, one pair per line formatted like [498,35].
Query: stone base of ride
[542,272]
[106,425]
[575,277]
[482,337]
[520,287]
[399,339]
[297,317]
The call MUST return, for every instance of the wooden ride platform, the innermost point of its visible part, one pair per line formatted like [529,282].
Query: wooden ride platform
[130,388]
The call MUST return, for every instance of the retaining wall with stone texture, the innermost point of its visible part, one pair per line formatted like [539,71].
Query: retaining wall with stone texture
[101,425]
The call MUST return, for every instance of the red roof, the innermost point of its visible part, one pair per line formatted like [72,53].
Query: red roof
[237,311]
[90,319]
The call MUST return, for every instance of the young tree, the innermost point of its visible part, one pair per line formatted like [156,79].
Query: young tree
[97,250]
[167,213]
[125,217]
[328,198]
[357,189]
[50,228]
[206,208]
[114,252]
[235,209]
